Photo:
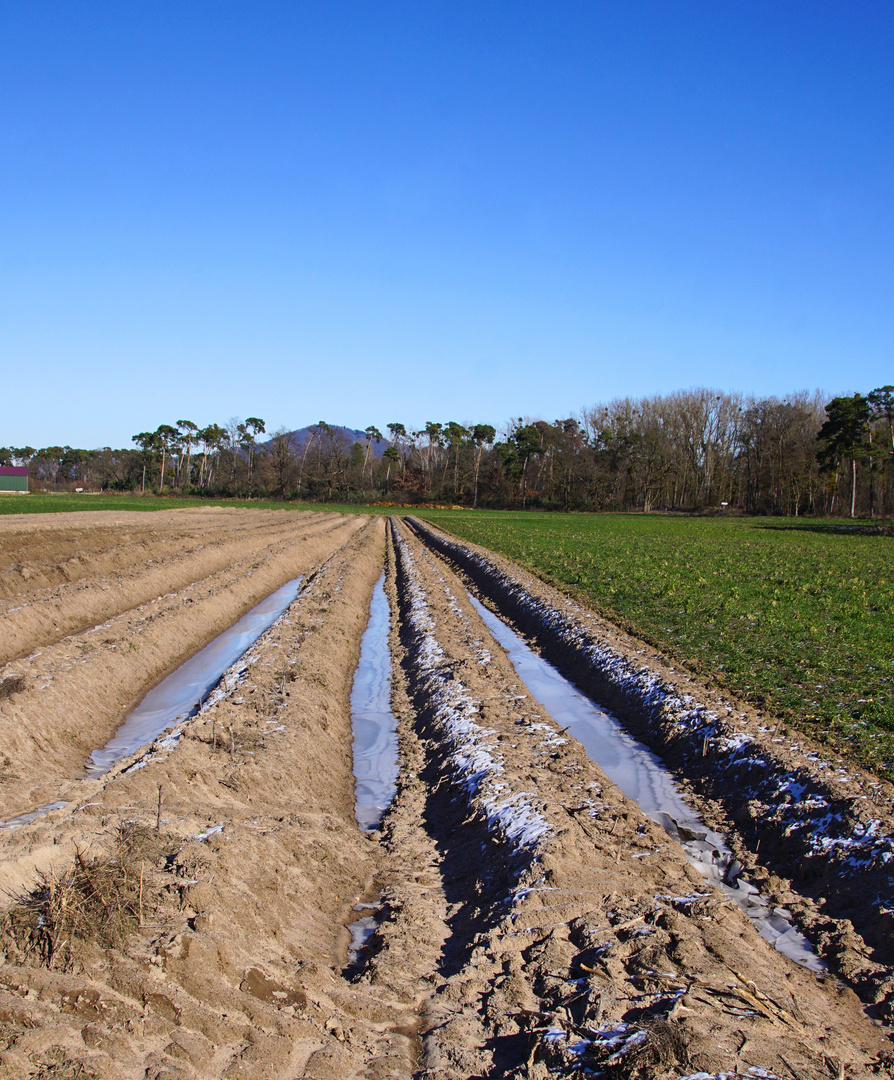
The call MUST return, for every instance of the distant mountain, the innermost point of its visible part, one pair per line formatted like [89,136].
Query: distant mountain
[302,435]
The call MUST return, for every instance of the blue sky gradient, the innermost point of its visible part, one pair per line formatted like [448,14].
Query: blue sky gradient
[370,212]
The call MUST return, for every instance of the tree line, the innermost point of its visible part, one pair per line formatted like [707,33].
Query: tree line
[692,450]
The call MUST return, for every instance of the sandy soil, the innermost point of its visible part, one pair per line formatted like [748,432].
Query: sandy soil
[815,834]
[97,643]
[532,921]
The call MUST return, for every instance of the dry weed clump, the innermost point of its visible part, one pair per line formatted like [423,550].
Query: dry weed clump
[8,1035]
[100,899]
[226,739]
[6,771]
[12,684]
[617,1051]
[665,1046]
[57,1065]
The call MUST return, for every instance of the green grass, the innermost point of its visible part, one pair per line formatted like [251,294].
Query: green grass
[39,502]
[795,616]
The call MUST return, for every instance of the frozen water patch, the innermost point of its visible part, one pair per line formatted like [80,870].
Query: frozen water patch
[212,830]
[375,728]
[180,695]
[362,930]
[26,819]
[642,777]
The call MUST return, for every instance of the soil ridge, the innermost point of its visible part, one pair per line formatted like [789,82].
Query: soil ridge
[828,845]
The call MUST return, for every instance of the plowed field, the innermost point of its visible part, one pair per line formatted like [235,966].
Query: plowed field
[184,915]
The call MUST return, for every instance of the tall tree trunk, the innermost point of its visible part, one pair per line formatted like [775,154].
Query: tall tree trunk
[853,485]
[307,446]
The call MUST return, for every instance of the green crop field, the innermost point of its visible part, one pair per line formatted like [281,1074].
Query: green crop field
[796,616]
[41,502]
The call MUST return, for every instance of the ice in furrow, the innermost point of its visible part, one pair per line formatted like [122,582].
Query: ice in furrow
[373,723]
[641,776]
[179,696]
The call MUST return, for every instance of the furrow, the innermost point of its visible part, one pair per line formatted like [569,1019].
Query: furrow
[92,586]
[828,854]
[604,950]
[72,695]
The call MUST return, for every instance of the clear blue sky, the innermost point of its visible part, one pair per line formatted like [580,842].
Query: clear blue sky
[373,211]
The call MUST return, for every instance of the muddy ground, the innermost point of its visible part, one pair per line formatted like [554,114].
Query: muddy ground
[184,915]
